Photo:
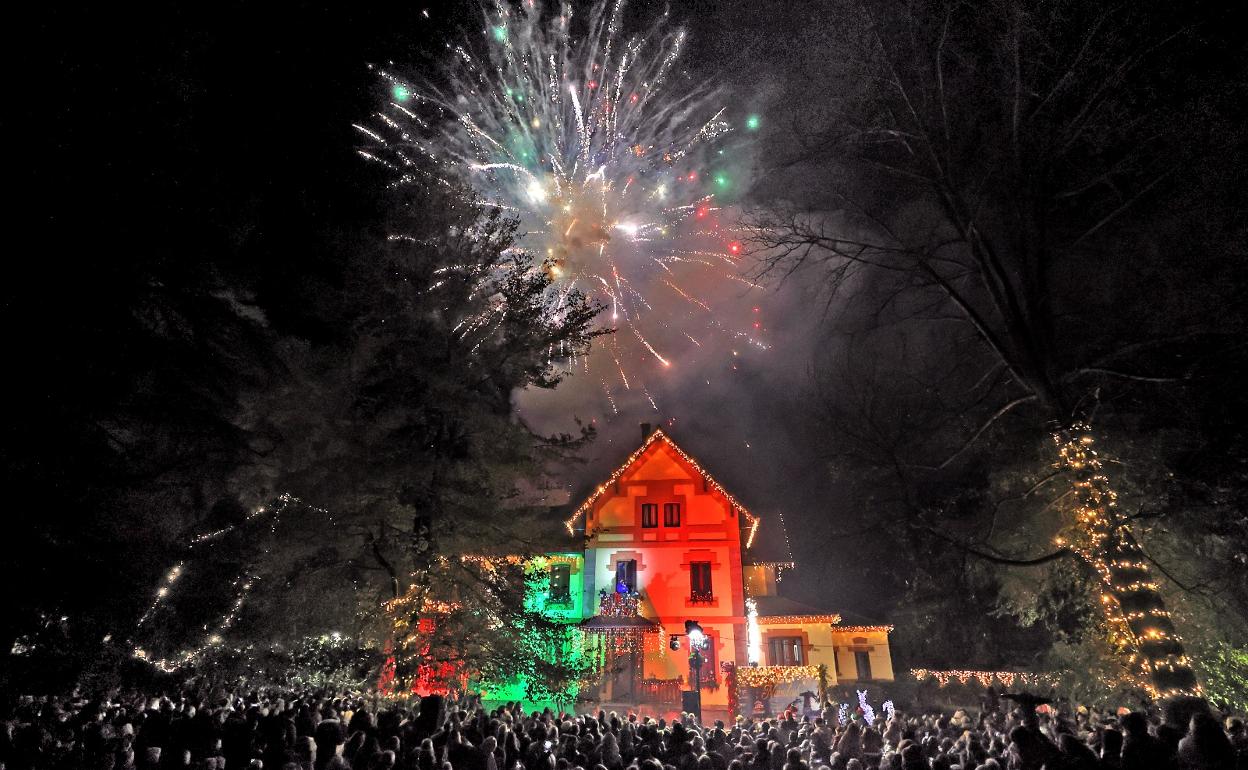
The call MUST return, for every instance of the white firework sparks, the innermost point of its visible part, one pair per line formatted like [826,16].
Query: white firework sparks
[615,162]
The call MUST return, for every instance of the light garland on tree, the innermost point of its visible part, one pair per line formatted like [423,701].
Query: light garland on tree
[1100,535]
[242,584]
[890,711]
[657,435]
[985,678]
[214,637]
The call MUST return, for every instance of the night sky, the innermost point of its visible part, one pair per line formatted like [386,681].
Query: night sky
[207,135]
[223,134]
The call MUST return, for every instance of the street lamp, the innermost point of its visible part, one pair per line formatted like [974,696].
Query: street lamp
[697,643]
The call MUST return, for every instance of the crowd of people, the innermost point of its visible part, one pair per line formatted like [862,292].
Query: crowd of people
[272,731]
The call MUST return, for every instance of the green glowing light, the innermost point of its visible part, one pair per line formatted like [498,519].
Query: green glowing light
[400,93]
[753,122]
[721,181]
[500,33]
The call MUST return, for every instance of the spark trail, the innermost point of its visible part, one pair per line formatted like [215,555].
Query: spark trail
[615,160]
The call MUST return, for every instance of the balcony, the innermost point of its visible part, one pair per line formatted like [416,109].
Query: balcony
[701,597]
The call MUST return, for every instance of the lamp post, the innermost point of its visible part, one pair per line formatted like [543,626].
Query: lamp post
[697,643]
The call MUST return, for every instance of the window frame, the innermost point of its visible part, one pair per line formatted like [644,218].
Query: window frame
[560,594]
[650,521]
[630,573]
[671,514]
[859,665]
[792,647]
[701,591]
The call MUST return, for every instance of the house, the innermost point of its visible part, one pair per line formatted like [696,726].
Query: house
[664,543]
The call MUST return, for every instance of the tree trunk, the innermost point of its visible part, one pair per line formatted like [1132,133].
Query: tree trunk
[1132,597]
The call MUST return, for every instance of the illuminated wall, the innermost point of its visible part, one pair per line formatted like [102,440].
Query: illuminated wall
[708,533]
[871,641]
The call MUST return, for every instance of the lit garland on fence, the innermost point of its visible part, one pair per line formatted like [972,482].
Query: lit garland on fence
[1133,607]
[862,629]
[613,604]
[769,676]
[985,678]
[619,472]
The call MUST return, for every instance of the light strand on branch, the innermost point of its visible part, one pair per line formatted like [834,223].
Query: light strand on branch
[242,586]
[1100,534]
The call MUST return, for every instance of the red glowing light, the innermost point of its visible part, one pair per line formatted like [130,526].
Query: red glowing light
[734,247]
[593,84]
[632,98]
[701,213]
[756,310]
[693,175]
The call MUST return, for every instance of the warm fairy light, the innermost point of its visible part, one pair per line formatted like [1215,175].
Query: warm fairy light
[1101,535]
[786,620]
[571,134]
[242,585]
[754,636]
[985,678]
[658,435]
[862,629]
[749,541]
[769,676]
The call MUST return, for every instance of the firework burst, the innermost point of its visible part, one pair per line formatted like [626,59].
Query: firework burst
[615,160]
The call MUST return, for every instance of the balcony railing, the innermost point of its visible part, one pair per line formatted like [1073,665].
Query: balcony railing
[701,597]
[665,691]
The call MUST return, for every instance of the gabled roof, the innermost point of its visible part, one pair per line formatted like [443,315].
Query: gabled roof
[659,435]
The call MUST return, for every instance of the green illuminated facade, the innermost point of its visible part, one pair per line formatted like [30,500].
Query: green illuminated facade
[556,591]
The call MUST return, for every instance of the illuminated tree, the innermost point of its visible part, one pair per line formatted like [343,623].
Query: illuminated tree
[1003,170]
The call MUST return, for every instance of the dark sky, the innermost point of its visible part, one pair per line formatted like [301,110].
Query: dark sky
[221,134]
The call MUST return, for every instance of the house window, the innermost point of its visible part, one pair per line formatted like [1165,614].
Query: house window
[785,651]
[626,576]
[560,583]
[700,582]
[671,514]
[862,661]
[649,515]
